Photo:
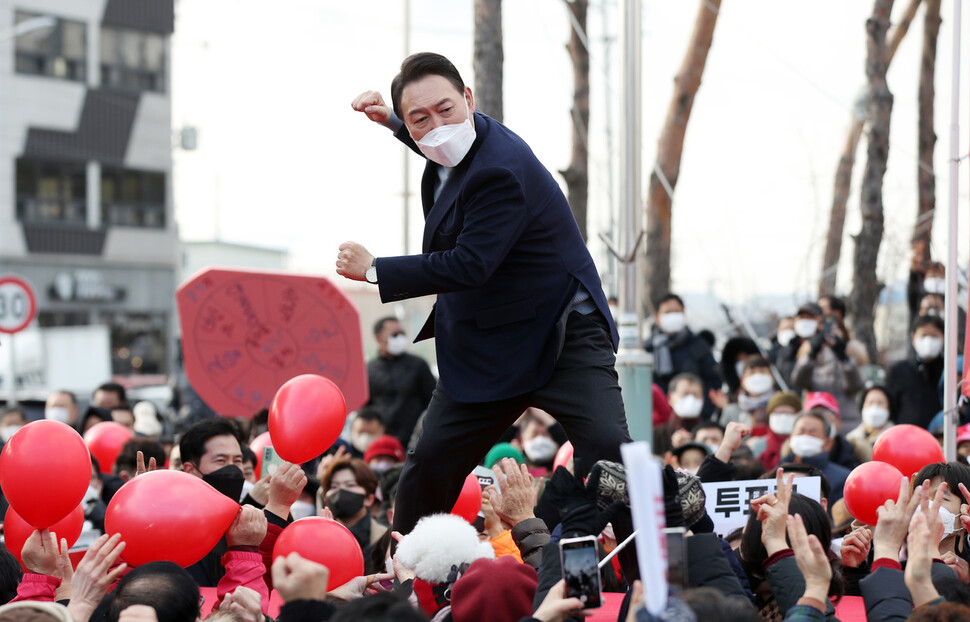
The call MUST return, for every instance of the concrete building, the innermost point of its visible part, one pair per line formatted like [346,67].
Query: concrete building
[86,169]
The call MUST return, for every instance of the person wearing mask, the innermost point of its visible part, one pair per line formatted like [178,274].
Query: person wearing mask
[876,416]
[710,434]
[733,356]
[782,410]
[109,395]
[540,438]
[686,398]
[385,452]
[348,490]
[843,452]
[810,443]
[400,383]
[784,335]
[829,362]
[756,388]
[914,384]
[368,424]
[834,306]
[12,419]
[677,350]
[62,406]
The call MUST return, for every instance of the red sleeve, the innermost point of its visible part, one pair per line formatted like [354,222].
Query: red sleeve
[37,587]
[273,530]
[887,563]
[243,568]
[661,409]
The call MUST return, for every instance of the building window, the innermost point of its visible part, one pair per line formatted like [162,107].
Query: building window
[131,59]
[60,52]
[51,192]
[137,342]
[132,198]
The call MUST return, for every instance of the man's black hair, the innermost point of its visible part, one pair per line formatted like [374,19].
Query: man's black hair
[248,455]
[953,473]
[418,66]
[117,389]
[370,413]
[705,424]
[835,303]
[10,575]
[379,607]
[192,444]
[164,586]
[15,409]
[713,605]
[825,487]
[928,320]
[379,324]
[127,459]
[668,297]
[70,394]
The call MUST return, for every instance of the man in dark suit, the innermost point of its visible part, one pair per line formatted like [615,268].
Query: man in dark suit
[520,320]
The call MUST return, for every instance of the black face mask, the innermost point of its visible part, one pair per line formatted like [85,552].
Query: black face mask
[345,503]
[228,480]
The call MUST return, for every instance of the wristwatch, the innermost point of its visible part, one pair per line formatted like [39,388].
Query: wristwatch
[371,274]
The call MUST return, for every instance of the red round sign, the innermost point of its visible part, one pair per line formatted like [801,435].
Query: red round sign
[18,305]
[244,334]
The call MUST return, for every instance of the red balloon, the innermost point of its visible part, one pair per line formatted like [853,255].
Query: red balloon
[907,447]
[868,486]
[45,469]
[563,456]
[168,516]
[16,530]
[306,417]
[105,441]
[257,446]
[469,499]
[326,542]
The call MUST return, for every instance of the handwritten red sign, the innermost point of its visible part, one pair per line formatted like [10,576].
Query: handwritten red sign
[246,333]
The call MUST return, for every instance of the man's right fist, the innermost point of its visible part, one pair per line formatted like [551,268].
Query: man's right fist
[372,104]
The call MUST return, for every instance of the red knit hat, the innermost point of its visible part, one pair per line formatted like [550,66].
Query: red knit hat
[500,590]
[385,445]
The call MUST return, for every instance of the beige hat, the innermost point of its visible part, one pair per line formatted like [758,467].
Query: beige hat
[34,611]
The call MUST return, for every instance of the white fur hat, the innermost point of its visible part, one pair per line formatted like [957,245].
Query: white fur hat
[439,542]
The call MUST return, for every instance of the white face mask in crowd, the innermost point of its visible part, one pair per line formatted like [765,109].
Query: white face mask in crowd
[928,348]
[805,327]
[7,431]
[785,336]
[688,407]
[758,384]
[672,322]
[805,446]
[951,522]
[57,413]
[397,344]
[540,449]
[448,145]
[934,285]
[782,423]
[302,509]
[362,441]
[875,416]
[247,487]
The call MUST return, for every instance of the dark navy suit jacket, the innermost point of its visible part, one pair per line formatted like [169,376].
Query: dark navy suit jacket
[504,255]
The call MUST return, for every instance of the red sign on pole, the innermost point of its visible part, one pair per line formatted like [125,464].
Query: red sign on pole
[18,305]
[246,333]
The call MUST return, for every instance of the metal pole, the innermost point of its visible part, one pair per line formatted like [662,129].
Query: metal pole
[13,372]
[951,328]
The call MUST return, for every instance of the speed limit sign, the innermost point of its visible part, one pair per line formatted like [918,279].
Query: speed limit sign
[18,305]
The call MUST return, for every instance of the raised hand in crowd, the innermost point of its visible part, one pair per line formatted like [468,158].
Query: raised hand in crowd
[360,586]
[372,104]
[285,488]
[260,491]
[243,604]
[326,513]
[894,518]
[734,433]
[297,578]
[812,561]
[326,461]
[94,575]
[40,553]
[64,571]
[515,498]
[772,510]
[855,547]
[248,528]
[923,541]
[493,523]
[140,468]
[138,613]
[555,606]
[965,508]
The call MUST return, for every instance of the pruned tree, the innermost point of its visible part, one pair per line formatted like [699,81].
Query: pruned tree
[577,175]
[865,285]
[843,174]
[926,179]
[670,148]
[488,57]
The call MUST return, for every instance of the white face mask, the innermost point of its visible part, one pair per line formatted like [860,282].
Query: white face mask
[928,348]
[688,407]
[713,447]
[785,336]
[805,446]
[934,285]
[362,441]
[448,145]
[397,345]
[302,509]
[7,431]
[247,487]
[57,413]
[672,322]
[782,423]
[875,416]
[951,522]
[540,449]
[758,384]
[806,327]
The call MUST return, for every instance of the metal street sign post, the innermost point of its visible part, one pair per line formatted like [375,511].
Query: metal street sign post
[18,308]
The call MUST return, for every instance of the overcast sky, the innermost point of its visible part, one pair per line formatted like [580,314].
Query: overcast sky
[284,162]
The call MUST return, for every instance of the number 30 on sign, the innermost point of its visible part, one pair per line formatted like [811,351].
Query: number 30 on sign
[18,305]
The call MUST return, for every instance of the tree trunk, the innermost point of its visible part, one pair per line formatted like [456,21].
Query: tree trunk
[926,179]
[488,57]
[576,176]
[865,286]
[670,148]
[843,174]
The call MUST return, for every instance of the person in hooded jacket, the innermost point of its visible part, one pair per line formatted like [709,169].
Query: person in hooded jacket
[914,396]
